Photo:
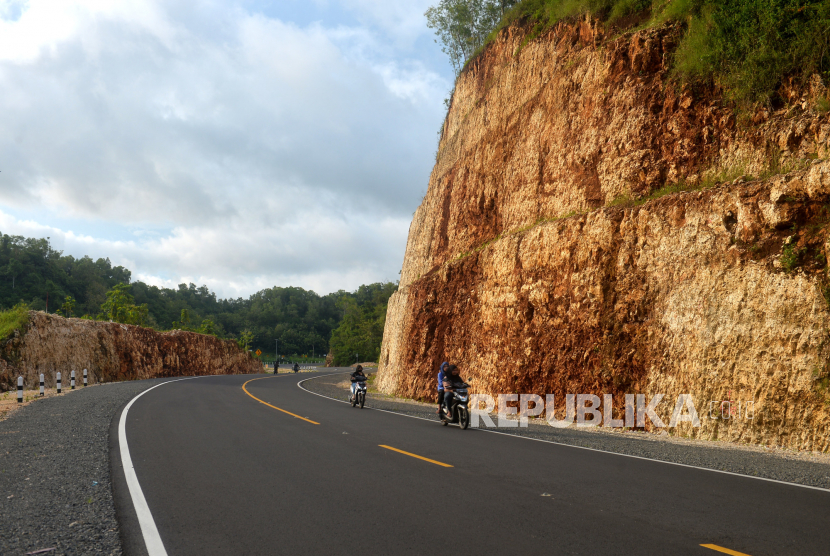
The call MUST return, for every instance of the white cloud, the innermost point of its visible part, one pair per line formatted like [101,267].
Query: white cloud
[402,20]
[236,150]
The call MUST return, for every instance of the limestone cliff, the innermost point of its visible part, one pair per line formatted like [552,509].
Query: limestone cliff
[113,352]
[518,270]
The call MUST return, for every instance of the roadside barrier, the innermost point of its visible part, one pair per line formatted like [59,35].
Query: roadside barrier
[72,380]
[59,382]
[84,377]
[20,389]
[41,385]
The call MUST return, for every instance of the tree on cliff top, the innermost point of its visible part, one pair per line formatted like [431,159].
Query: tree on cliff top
[463,25]
[120,307]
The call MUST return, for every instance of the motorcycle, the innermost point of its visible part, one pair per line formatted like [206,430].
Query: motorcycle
[359,396]
[459,411]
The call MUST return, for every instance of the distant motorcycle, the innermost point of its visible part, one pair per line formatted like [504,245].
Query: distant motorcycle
[359,396]
[459,410]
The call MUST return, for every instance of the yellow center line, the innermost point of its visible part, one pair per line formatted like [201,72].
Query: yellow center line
[724,550]
[275,407]
[415,456]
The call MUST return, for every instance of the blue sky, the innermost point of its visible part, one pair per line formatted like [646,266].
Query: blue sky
[240,145]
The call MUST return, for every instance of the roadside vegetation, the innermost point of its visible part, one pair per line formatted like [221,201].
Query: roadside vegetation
[13,319]
[34,276]
[360,332]
[747,47]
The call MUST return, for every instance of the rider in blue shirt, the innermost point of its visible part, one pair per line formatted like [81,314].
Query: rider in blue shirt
[441,370]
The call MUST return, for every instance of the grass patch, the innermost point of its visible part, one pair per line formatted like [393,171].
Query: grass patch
[626,200]
[746,46]
[13,319]
[791,257]
[821,385]
[623,200]
[739,169]
[777,165]
[517,231]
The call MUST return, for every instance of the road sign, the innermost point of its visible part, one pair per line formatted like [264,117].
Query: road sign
[258,352]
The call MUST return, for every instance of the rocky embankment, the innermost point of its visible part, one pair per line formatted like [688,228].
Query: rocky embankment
[113,352]
[592,227]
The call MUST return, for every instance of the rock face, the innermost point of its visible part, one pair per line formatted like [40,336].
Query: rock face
[518,271]
[113,352]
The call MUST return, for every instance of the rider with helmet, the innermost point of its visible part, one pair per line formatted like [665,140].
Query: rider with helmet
[451,381]
[357,376]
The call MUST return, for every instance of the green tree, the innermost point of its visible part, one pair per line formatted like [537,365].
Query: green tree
[68,307]
[120,307]
[13,270]
[245,339]
[118,298]
[361,329]
[463,25]
[207,327]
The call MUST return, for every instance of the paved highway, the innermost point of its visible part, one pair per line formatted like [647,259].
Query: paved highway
[273,469]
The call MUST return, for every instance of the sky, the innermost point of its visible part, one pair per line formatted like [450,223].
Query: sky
[235,144]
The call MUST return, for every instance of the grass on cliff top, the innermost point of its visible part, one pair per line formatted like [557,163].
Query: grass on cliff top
[747,47]
[13,319]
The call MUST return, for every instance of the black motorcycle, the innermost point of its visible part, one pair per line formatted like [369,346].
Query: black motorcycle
[459,410]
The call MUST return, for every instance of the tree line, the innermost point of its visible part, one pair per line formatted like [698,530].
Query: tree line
[299,321]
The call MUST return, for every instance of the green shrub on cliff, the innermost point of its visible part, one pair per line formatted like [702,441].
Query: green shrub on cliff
[749,46]
[746,46]
[13,319]
[120,307]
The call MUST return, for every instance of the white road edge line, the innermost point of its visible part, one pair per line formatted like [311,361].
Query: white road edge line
[152,540]
[300,384]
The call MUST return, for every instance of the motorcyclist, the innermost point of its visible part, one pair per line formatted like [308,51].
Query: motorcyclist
[357,376]
[296,367]
[441,370]
[452,380]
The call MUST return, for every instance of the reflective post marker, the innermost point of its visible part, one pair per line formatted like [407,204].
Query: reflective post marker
[20,389]
[84,377]
[41,385]
[72,380]
[59,382]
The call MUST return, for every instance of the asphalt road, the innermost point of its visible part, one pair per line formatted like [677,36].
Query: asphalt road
[223,473]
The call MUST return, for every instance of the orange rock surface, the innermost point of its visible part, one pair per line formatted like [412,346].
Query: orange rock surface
[519,271]
[113,352]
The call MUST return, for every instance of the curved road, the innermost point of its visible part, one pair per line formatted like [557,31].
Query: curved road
[223,473]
